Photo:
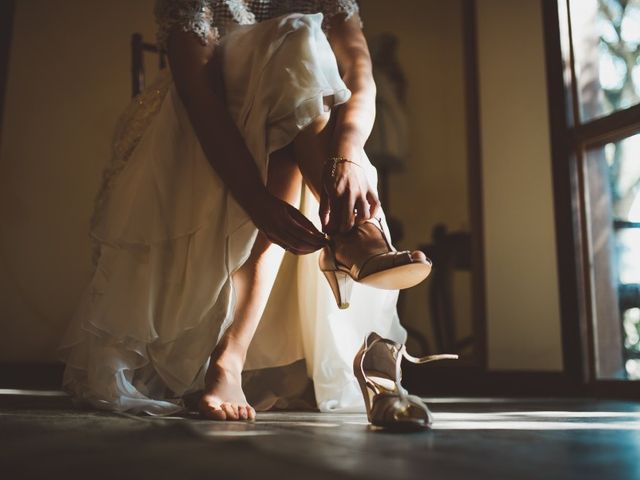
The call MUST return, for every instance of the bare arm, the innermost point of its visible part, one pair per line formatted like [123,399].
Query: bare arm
[354,121]
[197,76]
[198,82]
[355,118]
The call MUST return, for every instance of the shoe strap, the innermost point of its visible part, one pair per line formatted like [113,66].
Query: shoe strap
[402,349]
[428,358]
[400,352]
[377,221]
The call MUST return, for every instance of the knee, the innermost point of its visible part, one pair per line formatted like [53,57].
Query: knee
[316,127]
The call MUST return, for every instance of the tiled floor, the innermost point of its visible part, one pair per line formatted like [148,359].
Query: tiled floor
[41,436]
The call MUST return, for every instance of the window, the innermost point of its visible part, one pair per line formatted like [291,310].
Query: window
[612,174]
[596,142]
[606,41]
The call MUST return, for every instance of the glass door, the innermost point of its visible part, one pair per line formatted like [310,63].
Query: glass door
[600,49]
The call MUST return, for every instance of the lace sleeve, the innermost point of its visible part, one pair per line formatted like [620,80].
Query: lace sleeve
[331,8]
[187,15]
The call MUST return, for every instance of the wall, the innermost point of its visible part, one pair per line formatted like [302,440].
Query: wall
[522,282]
[68,81]
[433,187]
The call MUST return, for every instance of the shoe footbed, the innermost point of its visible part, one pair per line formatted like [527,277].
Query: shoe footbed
[398,278]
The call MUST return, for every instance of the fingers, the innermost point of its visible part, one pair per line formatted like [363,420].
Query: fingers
[355,210]
[342,215]
[363,212]
[350,200]
[306,225]
[374,204]
[287,227]
[297,234]
[303,236]
[332,223]
[324,209]
[348,215]
[291,230]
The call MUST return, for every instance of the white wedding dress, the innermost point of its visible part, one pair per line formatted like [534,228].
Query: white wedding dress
[168,235]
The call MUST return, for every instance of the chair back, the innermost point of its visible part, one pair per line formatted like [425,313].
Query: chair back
[138,49]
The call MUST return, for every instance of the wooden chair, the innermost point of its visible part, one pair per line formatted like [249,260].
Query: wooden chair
[450,252]
[138,49]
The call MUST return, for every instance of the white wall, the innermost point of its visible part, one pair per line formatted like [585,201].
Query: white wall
[522,282]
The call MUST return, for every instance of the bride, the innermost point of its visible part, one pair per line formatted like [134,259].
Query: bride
[238,219]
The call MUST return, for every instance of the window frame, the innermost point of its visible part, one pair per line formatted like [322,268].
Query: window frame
[570,140]
[7,9]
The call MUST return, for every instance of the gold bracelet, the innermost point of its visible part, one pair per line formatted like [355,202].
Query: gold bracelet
[336,161]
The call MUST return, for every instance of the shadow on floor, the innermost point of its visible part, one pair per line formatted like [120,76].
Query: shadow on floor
[43,436]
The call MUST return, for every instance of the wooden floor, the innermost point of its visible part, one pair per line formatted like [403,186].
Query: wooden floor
[41,436]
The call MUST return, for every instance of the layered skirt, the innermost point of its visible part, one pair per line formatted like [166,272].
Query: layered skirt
[168,235]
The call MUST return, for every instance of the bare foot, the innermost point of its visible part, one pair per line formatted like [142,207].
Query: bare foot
[223,398]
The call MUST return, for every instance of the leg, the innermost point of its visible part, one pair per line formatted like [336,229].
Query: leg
[312,148]
[223,397]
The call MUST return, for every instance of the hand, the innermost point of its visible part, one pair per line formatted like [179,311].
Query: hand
[346,198]
[286,226]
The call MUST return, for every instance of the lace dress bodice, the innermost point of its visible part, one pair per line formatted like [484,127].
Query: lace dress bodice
[209,19]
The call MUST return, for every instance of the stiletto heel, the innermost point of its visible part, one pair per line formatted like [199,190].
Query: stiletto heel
[388,270]
[341,285]
[376,366]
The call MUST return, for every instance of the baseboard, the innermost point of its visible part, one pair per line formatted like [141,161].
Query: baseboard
[429,380]
[39,376]
[424,380]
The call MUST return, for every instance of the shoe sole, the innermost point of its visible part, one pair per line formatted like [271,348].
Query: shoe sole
[398,278]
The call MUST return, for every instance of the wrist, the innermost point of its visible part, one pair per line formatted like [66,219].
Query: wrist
[331,164]
[346,141]
[347,149]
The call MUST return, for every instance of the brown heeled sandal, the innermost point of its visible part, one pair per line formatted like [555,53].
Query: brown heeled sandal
[390,270]
[377,369]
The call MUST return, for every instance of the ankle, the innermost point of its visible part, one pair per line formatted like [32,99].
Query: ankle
[229,355]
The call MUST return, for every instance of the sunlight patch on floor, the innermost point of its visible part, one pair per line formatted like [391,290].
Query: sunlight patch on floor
[538,420]
[32,393]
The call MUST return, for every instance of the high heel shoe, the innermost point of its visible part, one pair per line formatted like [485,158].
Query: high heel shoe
[389,270]
[377,369]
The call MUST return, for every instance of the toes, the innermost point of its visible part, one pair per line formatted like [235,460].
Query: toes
[213,412]
[217,414]
[242,412]
[418,256]
[232,413]
[251,412]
